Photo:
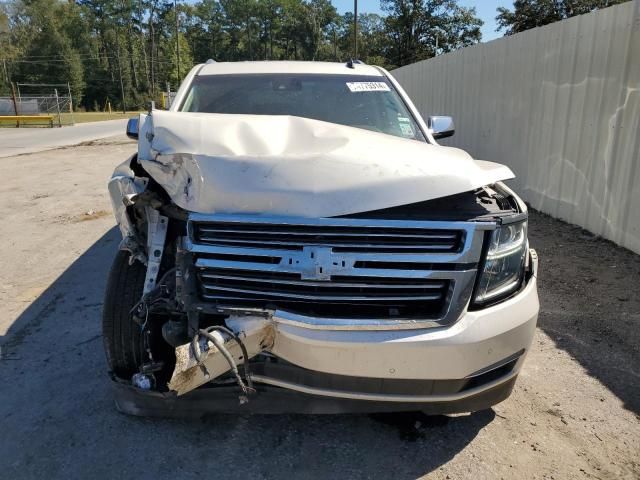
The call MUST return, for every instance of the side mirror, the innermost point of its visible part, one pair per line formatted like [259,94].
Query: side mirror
[441,127]
[132,128]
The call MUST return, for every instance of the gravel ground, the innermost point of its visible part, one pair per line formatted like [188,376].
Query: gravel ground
[574,412]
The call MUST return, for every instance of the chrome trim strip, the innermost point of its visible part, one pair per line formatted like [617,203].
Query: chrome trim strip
[388,257]
[352,272]
[205,228]
[347,222]
[381,397]
[469,253]
[315,323]
[343,246]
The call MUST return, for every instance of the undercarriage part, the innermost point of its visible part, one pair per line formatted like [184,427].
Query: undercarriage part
[217,351]
[158,300]
[217,335]
[141,381]
[175,333]
[157,233]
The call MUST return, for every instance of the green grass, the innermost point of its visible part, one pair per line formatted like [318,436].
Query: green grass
[84,117]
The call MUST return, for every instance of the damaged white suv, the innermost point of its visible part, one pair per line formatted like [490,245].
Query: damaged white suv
[295,240]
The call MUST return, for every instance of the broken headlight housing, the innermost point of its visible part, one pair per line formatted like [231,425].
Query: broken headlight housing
[504,263]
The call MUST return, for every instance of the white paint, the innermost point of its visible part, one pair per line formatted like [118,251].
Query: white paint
[478,339]
[215,163]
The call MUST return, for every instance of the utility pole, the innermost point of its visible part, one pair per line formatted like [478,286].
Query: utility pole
[355,29]
[58,107]
[73,120]
[124,107]
[15,104]
[175,4]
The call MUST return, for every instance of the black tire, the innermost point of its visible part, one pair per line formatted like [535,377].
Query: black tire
[123,342]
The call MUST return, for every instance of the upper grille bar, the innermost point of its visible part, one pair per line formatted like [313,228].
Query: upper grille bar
[426,236]
[345,237]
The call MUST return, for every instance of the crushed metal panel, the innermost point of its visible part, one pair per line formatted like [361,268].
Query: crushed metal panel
[219,163]
[124,186]
[157,232]
[257,335]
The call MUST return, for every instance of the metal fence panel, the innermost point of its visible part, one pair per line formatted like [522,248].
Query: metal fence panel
[560,105]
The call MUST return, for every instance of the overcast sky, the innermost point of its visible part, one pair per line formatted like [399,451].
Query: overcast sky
[486,10]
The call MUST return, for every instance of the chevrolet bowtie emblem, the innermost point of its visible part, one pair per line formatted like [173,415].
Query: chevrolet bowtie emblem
[316,263]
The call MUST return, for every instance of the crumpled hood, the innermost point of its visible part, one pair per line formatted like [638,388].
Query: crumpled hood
[215,163]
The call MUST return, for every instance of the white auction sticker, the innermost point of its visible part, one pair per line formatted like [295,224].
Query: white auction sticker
[368,87]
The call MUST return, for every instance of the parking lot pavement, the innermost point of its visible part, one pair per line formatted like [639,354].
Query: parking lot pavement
[574,412]
[18,141]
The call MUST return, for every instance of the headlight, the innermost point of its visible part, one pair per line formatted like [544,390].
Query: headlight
[504,265]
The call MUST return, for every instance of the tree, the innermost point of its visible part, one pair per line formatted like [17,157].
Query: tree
[415,27]
[9,51]
[50,56]
[528,14]
[125,51]
[170,72]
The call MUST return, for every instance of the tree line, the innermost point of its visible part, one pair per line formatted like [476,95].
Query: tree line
[127,51]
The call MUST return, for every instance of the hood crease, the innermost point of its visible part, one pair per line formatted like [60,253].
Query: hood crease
[285,165]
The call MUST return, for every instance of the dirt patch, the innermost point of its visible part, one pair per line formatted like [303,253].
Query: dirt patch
[82,217]
[573,413]
[91,215]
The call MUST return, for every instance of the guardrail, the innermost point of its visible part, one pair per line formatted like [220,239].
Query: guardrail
[17,119]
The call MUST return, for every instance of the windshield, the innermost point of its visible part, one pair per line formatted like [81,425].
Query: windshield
[361,101]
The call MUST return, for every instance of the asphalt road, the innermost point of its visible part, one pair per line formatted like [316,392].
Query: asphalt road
[18,141]
[574,413]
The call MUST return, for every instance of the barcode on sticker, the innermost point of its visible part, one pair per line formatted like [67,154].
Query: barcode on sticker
[368,87]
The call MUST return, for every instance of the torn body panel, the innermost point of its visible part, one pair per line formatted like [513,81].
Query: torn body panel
[299,356]
[255,333]
[283,165]
[124,186]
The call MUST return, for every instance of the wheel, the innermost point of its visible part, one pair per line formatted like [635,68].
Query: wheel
[123,342]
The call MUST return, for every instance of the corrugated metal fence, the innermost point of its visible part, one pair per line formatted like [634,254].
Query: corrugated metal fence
[560,105]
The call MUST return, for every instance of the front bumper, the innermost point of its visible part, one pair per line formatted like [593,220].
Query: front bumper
[274,400]
[466,367]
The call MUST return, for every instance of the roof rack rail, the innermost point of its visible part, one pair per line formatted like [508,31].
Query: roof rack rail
[352,62]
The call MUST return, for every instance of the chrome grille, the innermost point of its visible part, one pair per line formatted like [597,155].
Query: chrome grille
[351,269]
[340,238]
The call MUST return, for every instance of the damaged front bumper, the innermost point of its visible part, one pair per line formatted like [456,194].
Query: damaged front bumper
[336,371]
[261,271]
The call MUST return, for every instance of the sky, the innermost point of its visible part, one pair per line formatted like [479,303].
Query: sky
[485,9]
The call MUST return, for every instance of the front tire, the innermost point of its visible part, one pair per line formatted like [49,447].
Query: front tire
[123,341]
